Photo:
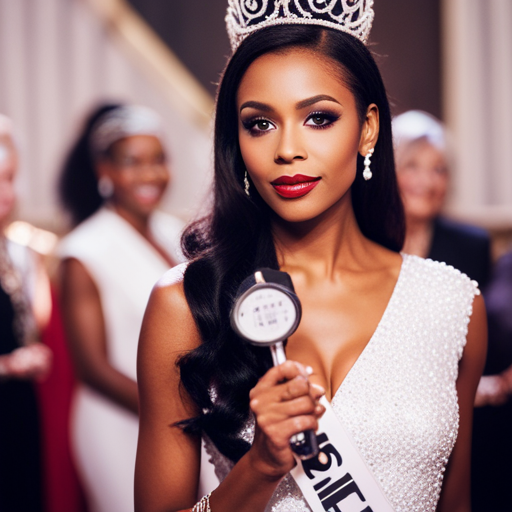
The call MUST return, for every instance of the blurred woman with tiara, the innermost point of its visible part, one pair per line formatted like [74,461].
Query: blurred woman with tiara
[111,184]
[390,347]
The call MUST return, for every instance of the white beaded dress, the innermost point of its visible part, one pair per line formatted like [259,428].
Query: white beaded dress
[399,400]
[124,267]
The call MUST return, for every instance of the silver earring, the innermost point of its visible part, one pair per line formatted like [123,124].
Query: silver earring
[367,174]
[247,184]
[105,187]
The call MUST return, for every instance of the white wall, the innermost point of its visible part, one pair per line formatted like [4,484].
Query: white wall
[57,61]
[478,106]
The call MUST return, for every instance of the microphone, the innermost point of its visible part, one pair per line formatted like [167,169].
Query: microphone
[265,313]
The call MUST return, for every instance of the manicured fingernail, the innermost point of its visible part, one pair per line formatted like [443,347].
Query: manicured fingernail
[323,458]
[319,388]
[319,409]
[309,370]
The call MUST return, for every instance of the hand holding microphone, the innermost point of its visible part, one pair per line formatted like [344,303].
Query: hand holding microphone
[266,313]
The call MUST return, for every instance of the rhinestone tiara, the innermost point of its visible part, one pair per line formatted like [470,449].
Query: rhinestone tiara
[244,17]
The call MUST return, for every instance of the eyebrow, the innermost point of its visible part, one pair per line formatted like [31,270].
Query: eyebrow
[315,99]
[257,105]
[299,106]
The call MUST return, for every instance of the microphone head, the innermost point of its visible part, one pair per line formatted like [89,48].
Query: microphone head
[266,313]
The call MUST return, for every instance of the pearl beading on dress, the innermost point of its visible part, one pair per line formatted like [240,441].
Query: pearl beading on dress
[399,400]
[244,17]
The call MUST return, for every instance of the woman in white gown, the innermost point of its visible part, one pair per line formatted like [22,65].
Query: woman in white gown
[110,262]
[305,183]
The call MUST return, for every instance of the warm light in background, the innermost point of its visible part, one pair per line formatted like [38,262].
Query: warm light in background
[40,240]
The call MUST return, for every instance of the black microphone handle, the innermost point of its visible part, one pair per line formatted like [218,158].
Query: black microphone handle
[304,444]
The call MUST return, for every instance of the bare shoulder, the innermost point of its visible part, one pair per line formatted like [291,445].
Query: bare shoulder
[72,269]
[475,351]
[167,457]
[168,326]
[168,332]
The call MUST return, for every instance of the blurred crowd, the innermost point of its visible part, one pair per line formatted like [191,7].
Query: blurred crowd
[68,343]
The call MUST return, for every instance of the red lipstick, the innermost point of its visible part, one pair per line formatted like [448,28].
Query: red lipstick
[296,186]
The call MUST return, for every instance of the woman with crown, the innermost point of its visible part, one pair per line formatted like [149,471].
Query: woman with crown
[392,344]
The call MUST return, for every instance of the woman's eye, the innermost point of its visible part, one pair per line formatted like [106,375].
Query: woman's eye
[321,120]
[262,125]
[159,160]
[258,126]
[127,162]
[318,120]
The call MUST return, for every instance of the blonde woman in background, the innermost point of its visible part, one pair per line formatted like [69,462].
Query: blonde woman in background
[24,310]
[423,174]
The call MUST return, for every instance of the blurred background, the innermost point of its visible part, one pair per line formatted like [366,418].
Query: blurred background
[59,58]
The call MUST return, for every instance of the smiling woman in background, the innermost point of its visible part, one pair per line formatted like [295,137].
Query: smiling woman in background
[113,180]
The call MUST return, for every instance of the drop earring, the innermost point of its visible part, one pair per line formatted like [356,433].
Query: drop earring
[105,187]
[247,184]
[367,173]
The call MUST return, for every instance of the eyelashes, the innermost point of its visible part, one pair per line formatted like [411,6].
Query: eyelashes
[257,125]
[317,120]
[321,120]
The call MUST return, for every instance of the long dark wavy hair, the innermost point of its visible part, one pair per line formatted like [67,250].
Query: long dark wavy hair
[235,239]
[78,183]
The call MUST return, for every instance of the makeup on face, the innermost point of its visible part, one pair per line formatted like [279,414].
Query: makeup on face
[293,187]
[299,133]
[258,119]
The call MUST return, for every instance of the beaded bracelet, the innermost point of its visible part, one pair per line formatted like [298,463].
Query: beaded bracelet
[203,505]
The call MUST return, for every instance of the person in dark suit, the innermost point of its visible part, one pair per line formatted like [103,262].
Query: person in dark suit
[423,177]
[463,246]
[492,442]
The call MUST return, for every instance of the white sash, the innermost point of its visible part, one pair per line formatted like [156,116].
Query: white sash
[340,481]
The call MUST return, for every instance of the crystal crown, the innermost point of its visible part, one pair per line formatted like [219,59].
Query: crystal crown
[246,16]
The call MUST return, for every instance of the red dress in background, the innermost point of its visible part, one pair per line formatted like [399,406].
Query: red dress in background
[62,491]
